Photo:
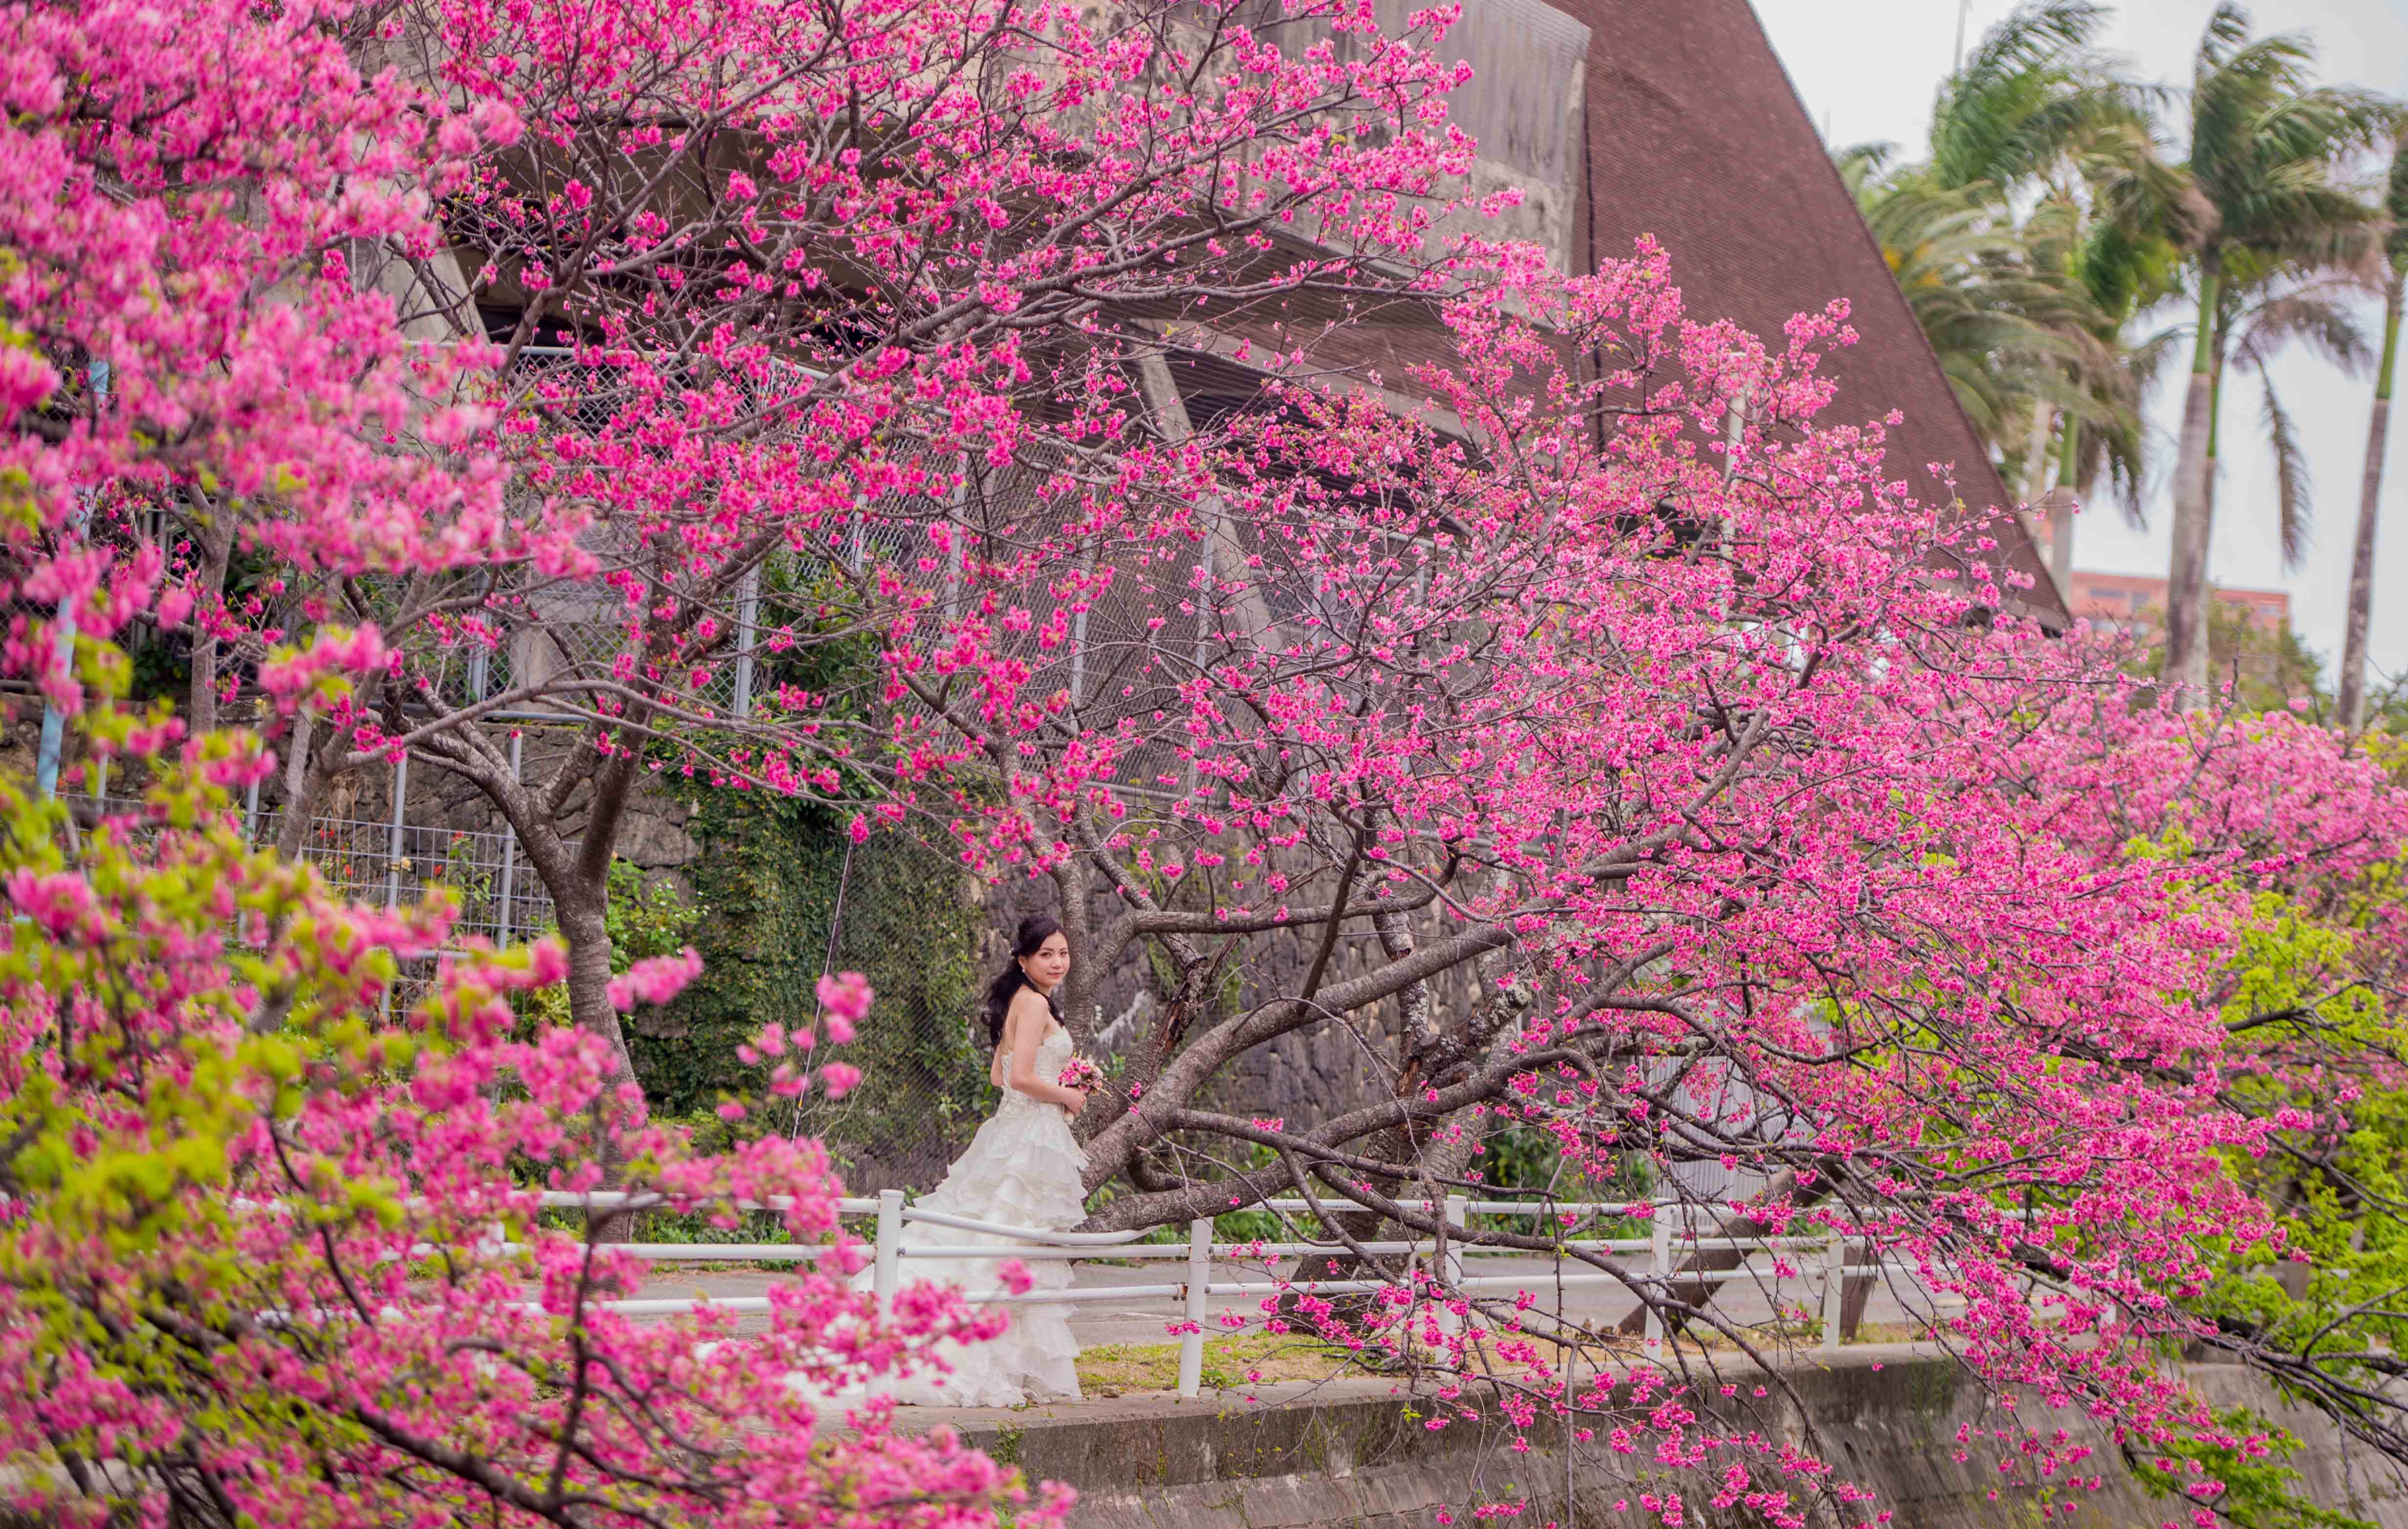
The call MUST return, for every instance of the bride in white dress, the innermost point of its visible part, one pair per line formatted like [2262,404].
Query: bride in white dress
[1022,1169]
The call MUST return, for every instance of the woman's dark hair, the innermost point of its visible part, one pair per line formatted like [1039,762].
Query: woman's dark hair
[1035,930]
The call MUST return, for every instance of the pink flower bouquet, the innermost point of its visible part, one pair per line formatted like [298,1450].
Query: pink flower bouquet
[1079,1073]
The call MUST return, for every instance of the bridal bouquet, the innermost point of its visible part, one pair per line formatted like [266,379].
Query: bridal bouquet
[1079,1073]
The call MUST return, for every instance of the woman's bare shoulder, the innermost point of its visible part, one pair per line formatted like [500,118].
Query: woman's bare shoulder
[1029,1008]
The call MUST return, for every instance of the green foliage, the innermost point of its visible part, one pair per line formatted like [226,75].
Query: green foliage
[643,921]
[2256,1483]
[775,877]
[766,886]
[913,925]
[2268,670]
[1526,1159]
[646,921]
[2302,992]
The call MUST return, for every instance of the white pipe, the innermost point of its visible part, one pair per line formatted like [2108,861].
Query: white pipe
[1027,1234]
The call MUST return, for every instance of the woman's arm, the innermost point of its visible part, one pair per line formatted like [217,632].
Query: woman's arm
[1028,1020]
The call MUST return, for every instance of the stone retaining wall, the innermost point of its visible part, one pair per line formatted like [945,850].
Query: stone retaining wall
[1359,1453]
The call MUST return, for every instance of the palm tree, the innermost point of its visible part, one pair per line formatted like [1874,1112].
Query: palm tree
[2378,429]
[2003,325]
[2313,312]
[2261,196]
[2009,305]
[2097,413]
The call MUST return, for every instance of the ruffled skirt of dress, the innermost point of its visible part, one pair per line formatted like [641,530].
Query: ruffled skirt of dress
[1022,1169]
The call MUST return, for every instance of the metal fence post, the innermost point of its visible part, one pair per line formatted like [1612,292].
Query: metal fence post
[890,1245]
[393,844]
[1086,600]
[63,628]
[1199,1286]
[748,605]
[1661,1258]
[510,852]
[54,722]
[1835,1269]
[957,532]
[392,866]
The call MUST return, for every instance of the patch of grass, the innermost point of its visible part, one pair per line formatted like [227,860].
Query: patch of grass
[1239,1360]
[1231,1363]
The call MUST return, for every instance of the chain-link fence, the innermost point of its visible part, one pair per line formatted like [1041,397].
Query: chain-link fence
[496,894]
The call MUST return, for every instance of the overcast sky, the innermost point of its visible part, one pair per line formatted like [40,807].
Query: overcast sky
[1866,68]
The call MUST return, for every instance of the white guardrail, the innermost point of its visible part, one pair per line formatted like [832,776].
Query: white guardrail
[1665,1245]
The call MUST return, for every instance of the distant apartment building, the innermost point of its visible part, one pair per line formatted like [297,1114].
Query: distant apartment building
[2136,600]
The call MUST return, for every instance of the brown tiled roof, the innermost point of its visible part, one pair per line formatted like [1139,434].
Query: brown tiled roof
[1697,137]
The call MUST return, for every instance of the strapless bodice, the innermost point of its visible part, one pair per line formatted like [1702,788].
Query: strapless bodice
[1053,1056]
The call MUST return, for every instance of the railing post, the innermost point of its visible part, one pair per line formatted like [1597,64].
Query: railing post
[1835,1270]
[54,722]
[1457,1221]
[1199,1284]
[393,865]
[63,628]
[1450,1272]
[1660,1257]
[889,1247]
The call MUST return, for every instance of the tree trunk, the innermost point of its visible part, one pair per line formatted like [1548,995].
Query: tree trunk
[585,926]
[2036,452]
[2370,502]
[2186,668]
[217,550]
[301,782]
[2060,519]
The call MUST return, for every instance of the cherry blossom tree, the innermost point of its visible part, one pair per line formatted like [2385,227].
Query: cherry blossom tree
[1702,798]
[266,1254]
[767,305]
[184,187]
[1747,828]
[268,1258]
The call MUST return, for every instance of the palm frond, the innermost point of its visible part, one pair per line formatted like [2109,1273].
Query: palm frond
[2147,361]
[2291,482]
[2315,315]
[2228,28]
[1864,165]
[2033,92]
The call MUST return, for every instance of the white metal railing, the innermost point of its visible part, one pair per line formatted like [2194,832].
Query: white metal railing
[1666,1246]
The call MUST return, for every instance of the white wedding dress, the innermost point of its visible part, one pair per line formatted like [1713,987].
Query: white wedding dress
[1022,1169]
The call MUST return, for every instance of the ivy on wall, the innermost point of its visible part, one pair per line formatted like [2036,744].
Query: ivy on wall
[773,882]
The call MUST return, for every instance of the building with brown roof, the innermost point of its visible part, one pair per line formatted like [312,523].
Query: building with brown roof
[1621,118]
